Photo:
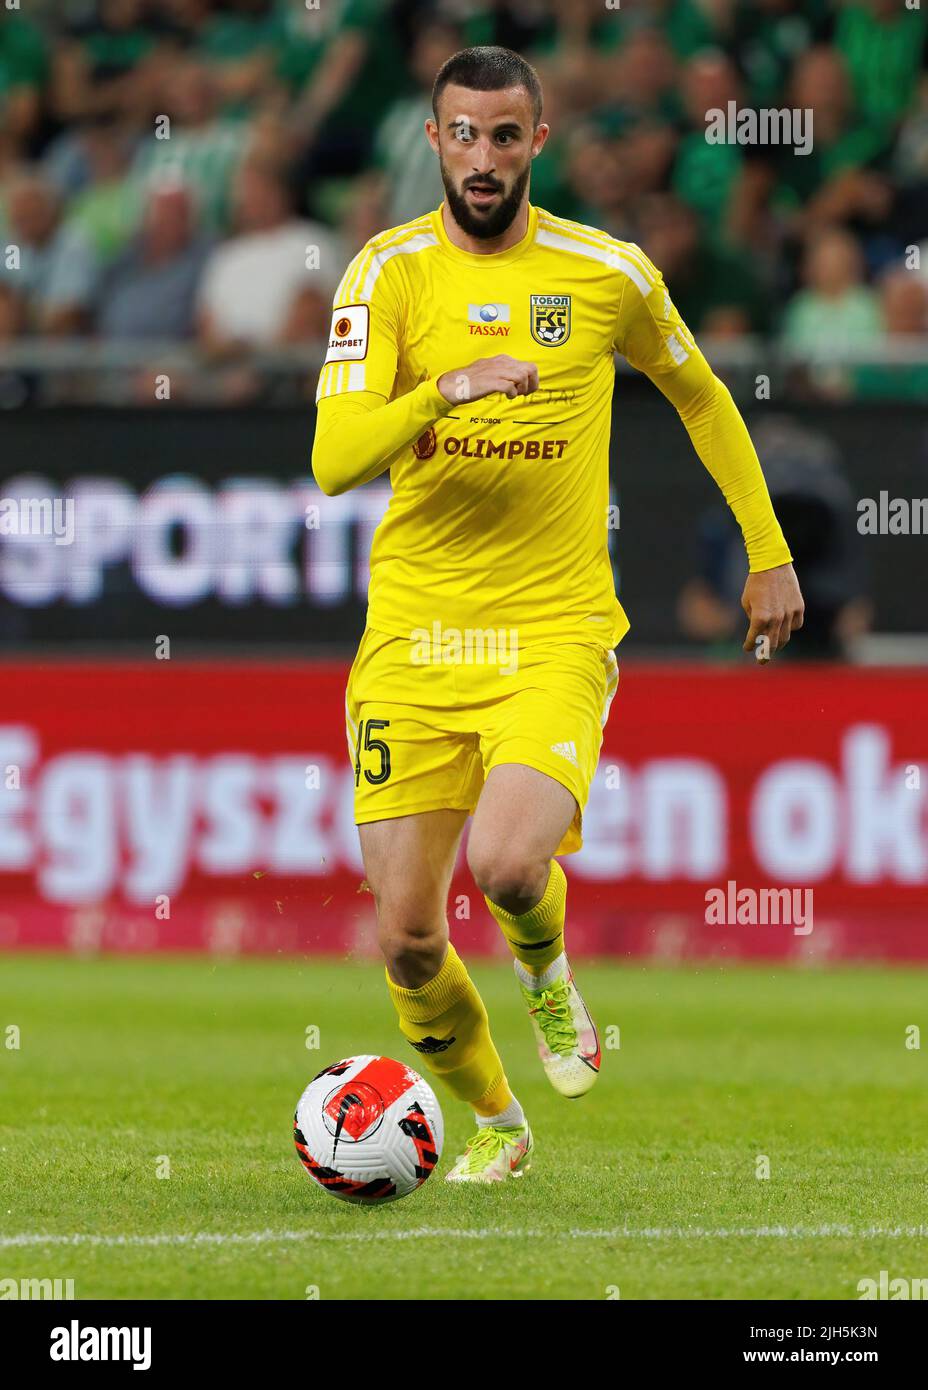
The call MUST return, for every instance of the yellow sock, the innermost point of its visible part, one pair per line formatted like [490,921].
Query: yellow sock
[536,937]
[447,1024]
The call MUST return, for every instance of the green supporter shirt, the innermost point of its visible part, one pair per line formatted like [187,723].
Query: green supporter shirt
[116,52]
[689,28]
[815,325]
[768,41]
[23,57]
[382,79]
[884,58]
[107,214]
[801,176]
[907,381]
[720,278]
[704,176]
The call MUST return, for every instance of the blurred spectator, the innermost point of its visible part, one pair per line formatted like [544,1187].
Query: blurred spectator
[769,36]
[364,214]
[203,148]
[360,72]
[240,43]
[16,387]
[110,63]
[903,302]
[258,285]
[57,271]
[815,507]
[640,80]
[107,208]
[910,162]
[904,313]
[401,150]
[714,288]
[835,311]
[837,180]
[151,290]
[705,174]
[883,45]
[598,182]
[23,73]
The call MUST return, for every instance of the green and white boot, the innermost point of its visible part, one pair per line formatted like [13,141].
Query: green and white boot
[494,1154]
[568,1044]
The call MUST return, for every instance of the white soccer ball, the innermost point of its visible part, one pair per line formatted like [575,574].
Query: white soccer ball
[368,1129]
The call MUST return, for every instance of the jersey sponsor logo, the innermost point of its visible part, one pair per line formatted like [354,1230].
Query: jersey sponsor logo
[424,446]
[349,334]
[488,320]
[488,313]
[550,319]
[480,447]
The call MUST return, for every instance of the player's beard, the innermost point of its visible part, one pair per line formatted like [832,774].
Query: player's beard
[490,224]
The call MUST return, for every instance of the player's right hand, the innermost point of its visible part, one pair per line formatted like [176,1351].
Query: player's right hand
[487,375]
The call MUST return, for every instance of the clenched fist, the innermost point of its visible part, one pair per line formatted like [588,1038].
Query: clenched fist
[488,375]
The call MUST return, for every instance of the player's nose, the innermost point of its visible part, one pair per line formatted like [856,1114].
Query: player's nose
[483,156]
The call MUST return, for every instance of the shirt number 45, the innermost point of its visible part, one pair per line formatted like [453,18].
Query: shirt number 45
[372,745]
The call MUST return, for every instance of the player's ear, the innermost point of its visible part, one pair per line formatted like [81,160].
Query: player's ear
[538,139]
[431,131]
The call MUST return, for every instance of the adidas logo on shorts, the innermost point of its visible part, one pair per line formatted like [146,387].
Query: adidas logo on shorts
[566,750]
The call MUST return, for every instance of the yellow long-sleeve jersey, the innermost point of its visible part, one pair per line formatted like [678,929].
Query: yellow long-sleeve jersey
[498,517]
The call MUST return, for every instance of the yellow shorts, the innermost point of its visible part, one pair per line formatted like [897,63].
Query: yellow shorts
[423,737]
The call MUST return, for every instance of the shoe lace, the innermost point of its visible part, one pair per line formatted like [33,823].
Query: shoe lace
[486,1144]
[550,1007]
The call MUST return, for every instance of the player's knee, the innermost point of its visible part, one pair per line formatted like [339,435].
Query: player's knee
[512,880]
[410,936]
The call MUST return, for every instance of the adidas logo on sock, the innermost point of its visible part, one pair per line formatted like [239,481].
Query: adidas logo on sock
[566,750]
[428,1045]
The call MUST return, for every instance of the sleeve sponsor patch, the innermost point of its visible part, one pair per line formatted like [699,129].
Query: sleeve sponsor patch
[349,333]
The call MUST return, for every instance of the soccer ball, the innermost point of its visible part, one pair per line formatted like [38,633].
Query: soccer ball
[368,1129]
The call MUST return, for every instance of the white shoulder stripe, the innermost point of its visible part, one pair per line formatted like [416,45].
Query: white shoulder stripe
[584,235]
[348,288]
[605,254]
[579,231]
[420,242]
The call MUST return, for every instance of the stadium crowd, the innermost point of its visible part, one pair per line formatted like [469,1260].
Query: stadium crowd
[166,164]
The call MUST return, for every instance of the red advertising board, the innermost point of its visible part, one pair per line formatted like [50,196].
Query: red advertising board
[765,812]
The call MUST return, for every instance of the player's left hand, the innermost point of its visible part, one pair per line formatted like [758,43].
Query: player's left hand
[773,603]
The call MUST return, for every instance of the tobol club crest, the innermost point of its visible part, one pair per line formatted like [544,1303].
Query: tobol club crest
[550,319]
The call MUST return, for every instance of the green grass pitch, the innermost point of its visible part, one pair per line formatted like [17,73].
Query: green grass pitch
[645,1189]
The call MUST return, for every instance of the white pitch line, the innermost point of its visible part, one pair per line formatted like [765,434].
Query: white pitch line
[209,1238]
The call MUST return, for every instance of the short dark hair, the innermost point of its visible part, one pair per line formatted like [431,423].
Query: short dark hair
[488,69]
